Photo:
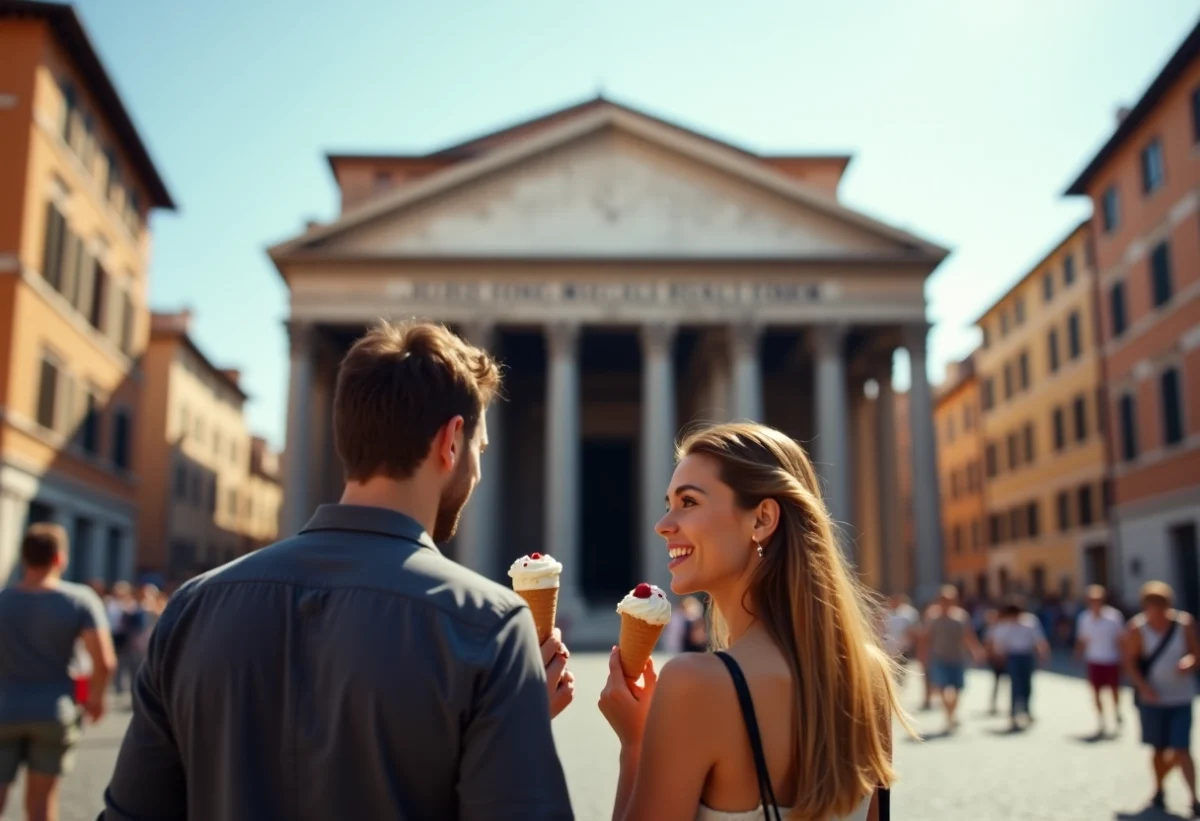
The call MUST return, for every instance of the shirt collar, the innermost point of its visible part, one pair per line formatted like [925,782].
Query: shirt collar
[364,519]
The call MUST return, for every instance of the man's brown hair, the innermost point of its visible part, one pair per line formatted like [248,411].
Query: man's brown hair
[397,386]
[42,544]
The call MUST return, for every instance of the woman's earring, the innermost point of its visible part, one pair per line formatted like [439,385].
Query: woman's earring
[757,547]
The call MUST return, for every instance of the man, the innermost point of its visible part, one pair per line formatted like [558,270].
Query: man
[42,618]
[949,639]
[352,671]
[900,622]
[1098,641]
[1160,659]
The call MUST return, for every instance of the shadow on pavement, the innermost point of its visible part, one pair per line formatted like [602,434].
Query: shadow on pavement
[1148,814]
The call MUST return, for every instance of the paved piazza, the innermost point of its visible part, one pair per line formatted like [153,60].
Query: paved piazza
[1050,773]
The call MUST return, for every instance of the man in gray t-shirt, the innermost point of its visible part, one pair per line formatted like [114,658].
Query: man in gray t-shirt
[43,617]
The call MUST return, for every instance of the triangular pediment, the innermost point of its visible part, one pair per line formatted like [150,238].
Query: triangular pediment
[609,187]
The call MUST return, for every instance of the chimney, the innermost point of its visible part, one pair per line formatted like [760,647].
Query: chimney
[233,375]
[1122,113]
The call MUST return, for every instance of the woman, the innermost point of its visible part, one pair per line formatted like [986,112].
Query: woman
[745,523]
[996,659]
[1019,639]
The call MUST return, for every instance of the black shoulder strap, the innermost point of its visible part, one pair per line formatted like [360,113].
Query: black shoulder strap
[1160,648]
[770,805]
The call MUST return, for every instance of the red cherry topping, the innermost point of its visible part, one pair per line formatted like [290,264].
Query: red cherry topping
[642,591]
[535,555]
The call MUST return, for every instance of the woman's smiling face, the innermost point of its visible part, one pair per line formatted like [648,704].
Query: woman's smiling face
[709,538]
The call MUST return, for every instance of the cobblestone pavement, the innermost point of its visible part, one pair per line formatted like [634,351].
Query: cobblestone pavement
[1053,772]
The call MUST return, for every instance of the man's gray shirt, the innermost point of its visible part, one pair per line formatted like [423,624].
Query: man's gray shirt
[351,671]
[38,634]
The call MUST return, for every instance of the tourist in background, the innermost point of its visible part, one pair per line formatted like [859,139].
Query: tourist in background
[1020,640]
[1098,641]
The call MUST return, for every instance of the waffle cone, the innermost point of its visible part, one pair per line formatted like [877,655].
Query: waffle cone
[637,643]
[544,604]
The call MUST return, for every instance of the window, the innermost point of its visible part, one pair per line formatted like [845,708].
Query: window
[1152,166]
[1129,444]
[1106,495]
[987,396]
[1117,300]
[113,555]
[1048,286]
[990,459]
[233,502]
[1160,274]
[1019,311]
[1172,407]
[1008,380]
[968,422]
[70,108]
[1080,409]
[1016,523]
[1029,449]
[52,253]
[1085,505]
[994,535]
[115,184]
[950,429]
[1196,115]
[984,341]
[1064,511]
[1032,524]
[1003,323]
[1060,429]
[958,539]
[1052,344]
[1074,336]
[120,448]
[975,534]
[48,394]
[1068,270]
[1023,369]
[1014,457]
[1110,210]
[89,430]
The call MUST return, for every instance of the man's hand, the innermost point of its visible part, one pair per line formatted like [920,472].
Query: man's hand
[94,706]
[1187,664]
[560,682]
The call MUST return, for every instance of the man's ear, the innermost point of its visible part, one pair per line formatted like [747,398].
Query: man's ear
[449,444]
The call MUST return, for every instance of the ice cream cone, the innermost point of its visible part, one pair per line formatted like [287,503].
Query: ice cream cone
[543,603]
[637,643]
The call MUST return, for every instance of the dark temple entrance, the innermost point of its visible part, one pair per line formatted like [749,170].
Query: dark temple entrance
[609,483]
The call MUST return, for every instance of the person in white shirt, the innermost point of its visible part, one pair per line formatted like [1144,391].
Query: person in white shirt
[1098,641]
[1019,638]
[900,631]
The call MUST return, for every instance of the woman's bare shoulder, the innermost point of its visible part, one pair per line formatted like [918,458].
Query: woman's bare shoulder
[701,678]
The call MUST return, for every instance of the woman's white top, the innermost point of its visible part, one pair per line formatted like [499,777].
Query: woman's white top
[757,814]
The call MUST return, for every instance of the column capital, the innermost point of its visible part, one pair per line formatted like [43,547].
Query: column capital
[744,337]
[562,338]
[301,336]
[829,338]
[658,337]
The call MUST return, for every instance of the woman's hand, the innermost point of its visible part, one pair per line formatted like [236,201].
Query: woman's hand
[624,702]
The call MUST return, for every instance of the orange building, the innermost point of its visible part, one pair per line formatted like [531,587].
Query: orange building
[1144,184]
[959,431]
[76,190]
[210,491]
[1044,458]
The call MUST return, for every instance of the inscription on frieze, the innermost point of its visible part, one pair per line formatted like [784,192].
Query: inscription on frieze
[607,293]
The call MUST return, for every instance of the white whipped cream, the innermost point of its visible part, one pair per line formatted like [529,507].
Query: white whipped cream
[654,610]
[529,573]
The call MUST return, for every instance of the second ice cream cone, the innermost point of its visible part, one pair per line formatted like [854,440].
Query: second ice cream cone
[637,643]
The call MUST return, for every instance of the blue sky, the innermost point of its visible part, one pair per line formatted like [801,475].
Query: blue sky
[967,119]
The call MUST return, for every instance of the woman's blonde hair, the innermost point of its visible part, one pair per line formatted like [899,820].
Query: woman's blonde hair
[818,614]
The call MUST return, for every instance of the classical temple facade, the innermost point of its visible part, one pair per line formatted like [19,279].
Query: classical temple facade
[635,277]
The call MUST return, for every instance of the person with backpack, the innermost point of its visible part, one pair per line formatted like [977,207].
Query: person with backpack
[1161,650]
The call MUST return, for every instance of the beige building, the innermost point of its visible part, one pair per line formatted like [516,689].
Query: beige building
[77,188]
[635,276]
[207,497]
[1045,457]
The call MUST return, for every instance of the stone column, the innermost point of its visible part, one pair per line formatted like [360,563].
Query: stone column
[658,437]
[831,412]
[297,457]
[563,452]
[14,510]
[747,370]
[891,535]
[926,498]
[478,540]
